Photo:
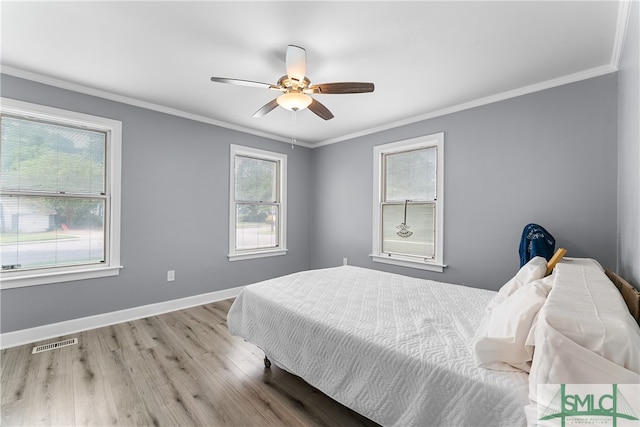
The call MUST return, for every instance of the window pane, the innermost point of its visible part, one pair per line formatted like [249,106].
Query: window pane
[40,156]
[255,179]
[411,175]
[256,226]
[418,234]
[51,231]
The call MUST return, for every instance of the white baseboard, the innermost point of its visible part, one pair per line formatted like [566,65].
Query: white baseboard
[40,333]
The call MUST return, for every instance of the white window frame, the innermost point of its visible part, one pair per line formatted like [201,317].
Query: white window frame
[113,129]
[281,249]
[431,264]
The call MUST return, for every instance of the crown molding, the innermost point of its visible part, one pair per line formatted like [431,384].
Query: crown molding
[624,13]
[87,90]
[571,78]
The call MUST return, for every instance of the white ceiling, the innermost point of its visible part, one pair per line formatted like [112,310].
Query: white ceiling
[425,58]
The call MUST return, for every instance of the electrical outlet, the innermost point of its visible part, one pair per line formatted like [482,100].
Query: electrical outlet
[171,275]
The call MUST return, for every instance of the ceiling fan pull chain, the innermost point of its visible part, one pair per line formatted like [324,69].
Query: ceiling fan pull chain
[293,124]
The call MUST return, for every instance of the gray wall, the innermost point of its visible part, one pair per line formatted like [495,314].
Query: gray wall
[549,157]
[629,152]
[175,178]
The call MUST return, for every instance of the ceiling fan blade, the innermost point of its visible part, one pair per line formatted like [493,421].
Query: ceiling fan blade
[266,108]
[342,87]
[296,60]
[240,82]
[320,110]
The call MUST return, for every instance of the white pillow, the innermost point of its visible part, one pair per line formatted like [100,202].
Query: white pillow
[535,269]
[500,342]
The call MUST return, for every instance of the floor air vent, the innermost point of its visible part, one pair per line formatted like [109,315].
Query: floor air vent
[54,345]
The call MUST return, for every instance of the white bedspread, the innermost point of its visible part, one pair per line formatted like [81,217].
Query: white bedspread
[393,348]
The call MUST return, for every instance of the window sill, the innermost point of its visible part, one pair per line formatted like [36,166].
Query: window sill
[19,279]
[257,254]
[408,262]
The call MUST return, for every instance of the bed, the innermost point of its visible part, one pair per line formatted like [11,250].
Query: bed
[399,350]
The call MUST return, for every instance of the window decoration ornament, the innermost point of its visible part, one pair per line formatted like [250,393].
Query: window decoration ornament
[403,227]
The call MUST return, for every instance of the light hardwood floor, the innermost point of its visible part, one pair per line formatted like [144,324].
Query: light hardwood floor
[176,369]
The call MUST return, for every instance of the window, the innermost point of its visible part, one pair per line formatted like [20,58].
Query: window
[257,209]
[59,195]
[408,203]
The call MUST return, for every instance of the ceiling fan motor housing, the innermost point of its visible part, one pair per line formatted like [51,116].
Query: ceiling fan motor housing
[287,84]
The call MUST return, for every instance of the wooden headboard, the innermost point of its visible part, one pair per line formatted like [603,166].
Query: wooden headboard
[630,295]
[555,259]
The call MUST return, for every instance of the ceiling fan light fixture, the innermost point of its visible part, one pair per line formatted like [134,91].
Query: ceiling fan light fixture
[294,101]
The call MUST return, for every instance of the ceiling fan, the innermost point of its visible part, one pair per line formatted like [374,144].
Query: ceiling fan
[296,87]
